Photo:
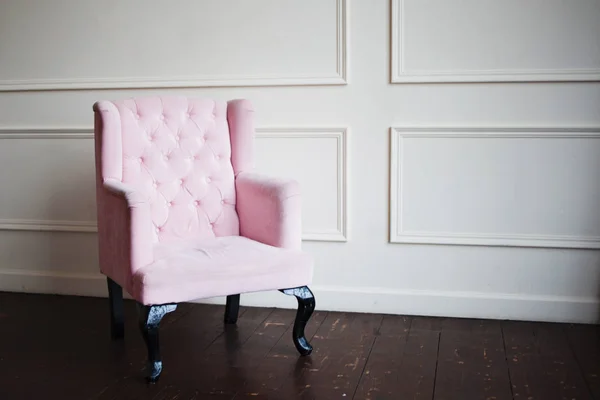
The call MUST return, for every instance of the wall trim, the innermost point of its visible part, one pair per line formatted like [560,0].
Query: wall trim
[46,133]
[339,234]
[349,299]
[339,77]
[400,75]
[398,235]
[20,224]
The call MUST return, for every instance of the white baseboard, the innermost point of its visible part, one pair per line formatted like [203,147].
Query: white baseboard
[350,299]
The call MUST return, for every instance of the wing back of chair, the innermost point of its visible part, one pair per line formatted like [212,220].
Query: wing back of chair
[181,156]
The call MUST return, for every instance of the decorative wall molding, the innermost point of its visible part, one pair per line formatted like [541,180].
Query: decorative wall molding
[47,133]
[338,234]
[400,75]
[400,235]
[20,224]
[341,76]
[525,307]
[338,77]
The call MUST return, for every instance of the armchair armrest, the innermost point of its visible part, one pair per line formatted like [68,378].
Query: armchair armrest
[269,210]
[133,196]
[125,229]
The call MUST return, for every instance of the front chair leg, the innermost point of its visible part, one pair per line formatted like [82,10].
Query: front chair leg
[150,317]
[232,308]
[306,306]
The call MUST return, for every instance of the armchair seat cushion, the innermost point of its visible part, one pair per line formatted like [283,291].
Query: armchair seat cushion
[203,268]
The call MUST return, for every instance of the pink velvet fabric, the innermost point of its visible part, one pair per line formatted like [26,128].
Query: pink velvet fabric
[216,266]
[240,115]
[175,173]
[277,221]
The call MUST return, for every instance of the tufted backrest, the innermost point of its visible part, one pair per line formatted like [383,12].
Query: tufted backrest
[177,152]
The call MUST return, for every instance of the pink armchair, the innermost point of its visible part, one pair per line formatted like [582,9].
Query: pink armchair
[182,216]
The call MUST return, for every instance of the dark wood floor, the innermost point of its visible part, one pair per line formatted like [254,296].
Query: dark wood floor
[58,347]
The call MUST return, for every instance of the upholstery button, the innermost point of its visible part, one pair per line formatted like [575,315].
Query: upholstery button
[140,160]
[137,115]
[222,201]
[162,117]
[180,182]
[218,157]
[208,179]
[196,203]
[166,157]
[169,204]
[155,185]
[177,138]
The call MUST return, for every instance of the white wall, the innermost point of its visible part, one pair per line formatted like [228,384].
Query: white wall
[448,150]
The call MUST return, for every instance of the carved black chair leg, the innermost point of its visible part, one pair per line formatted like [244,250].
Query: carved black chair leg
[232,309]
[115,299]
[149,319]
[306,306]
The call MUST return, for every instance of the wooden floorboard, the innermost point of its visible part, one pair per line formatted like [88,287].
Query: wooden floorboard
[472,362]
[280,374]
[541,363]
[382,377]
[585,344]
[58,347]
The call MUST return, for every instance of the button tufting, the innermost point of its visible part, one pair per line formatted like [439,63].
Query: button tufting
[180,139]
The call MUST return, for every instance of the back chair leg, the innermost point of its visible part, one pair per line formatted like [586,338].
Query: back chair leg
[115,301]
[232,309]
[149,319]
[306,306]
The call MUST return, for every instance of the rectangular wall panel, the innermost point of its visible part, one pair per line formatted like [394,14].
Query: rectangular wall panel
[53,189]
[64,44]
[316,158]
[506,187]
[51,181]
[495,40]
